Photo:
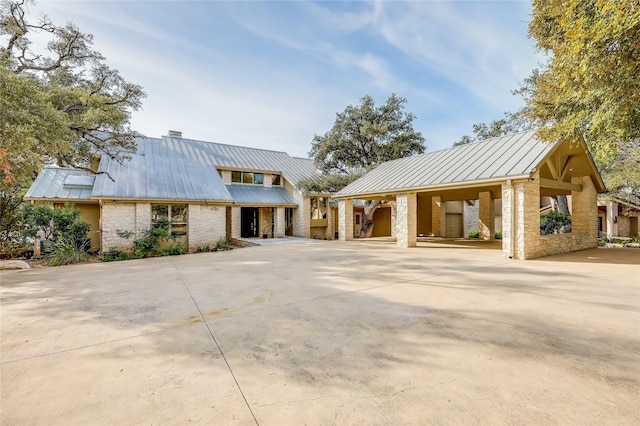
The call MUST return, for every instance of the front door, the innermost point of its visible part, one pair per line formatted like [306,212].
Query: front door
[249,222]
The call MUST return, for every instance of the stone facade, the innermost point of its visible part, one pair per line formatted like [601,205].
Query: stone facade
[470,218]
[266,222]
[207,224]
[486,216]
[406,220]
[226,176]
[119,217]
[280,222]
[345,220]
[236,222]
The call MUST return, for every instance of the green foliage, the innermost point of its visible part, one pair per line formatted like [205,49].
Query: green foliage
[222,244]
[588,89]
[362,137]
[474,233]
[113,255]
[498,235]
[174,249]
[205,248]
[555,223]
[327,183]
[67,249]
[55,223]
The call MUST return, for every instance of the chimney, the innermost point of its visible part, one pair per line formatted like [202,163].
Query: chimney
[175,134]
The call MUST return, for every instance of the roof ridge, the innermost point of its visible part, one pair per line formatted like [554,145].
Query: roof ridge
[223,144]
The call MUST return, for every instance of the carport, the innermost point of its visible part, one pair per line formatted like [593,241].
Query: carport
[517,170]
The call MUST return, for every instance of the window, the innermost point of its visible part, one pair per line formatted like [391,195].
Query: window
[175,214]
[275,180]
[247,177]
[318,208]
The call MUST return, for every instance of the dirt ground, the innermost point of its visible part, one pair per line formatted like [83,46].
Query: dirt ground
[325,332]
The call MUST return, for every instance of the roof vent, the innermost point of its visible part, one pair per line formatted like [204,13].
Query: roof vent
[175,134]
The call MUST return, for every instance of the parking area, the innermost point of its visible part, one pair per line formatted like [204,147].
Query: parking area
[325,332]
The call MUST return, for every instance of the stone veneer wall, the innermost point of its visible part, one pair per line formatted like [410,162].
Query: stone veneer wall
[406,220]
[302,216]
[236,222]
[206,225]
[116,217]
[624,226]
[345,220]
[529,243]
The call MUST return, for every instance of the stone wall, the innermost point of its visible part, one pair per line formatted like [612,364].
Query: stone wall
[345,220]
[207,224]
[470,218]
[266,221]
[624,226]
[280,222]
[302,216]
[406,220]
[236,222]
[119,217]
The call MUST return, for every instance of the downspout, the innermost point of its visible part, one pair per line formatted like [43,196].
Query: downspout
[512,237]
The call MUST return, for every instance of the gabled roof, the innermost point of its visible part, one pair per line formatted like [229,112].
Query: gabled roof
[502,157]
[161,169]
[61,184]
[261,195]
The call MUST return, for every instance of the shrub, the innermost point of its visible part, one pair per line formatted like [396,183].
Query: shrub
[205,248]
[555,223]
[498,235]
[174,249]
[474,234]
[67,250]
[113,254]
[222,244]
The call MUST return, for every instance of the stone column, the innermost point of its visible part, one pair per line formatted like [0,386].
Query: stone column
[527,218]
[486,216]
[406,220]
[438,217]
[507,224]
[236,222]
[345,220]
[280,222]
[612,225]
[584,214]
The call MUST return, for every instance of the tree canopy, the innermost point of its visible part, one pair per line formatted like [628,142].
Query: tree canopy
[511,123]
[60,102]
[366,135]
[589,87]
[362,137]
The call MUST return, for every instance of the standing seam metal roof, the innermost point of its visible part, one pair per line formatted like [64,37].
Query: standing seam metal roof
[50,184]
[501,157]
[260,195]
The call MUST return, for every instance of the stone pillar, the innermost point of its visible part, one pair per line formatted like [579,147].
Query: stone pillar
[527,218]
[508,249]
[584,206]
[280,222]
[266,221]
[345,220]
[612,221]
[438,217]
[406,220]
[394,215]
[236,222]
[486,216]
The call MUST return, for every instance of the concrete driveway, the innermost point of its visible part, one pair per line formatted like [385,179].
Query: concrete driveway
[325,333]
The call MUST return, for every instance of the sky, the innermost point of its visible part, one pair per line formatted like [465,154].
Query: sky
[273,74]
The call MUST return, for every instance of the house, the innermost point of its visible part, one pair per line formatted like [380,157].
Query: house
[618,218]
[429,192]
[206,190]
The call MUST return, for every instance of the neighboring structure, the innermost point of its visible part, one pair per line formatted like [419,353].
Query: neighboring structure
[207,191]
[618,218]
[516,170]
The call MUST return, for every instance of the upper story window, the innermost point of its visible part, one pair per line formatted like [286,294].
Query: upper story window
[247,177]
[318,208]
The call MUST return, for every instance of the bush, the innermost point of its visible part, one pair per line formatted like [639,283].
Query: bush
[174,249]
[498,235]
[555,223]
[113,255]
[222,244]
[67,250]
[205,248]
[474,234]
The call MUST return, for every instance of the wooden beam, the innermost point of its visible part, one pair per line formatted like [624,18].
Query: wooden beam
[554,184]
[565,168]
[552,169]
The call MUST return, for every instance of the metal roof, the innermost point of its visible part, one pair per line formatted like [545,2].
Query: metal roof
[161,169]
[501,157]
[260,195]
[224,156]
[61,184]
